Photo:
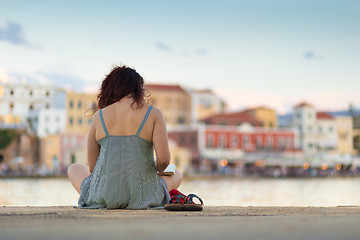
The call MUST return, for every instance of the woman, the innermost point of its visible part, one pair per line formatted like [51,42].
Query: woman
[122,172]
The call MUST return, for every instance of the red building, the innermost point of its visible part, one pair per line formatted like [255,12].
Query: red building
[249,138]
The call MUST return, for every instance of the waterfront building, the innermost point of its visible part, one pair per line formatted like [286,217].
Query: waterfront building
[266,115]
[18,99]
[205,103]
[247,138]
[180,156]
[344,126]
[187,138]
[50,153]
[317,130]
[72,149]
[79,108]
[47,121]
[174,101]
[213,143]
[20,154]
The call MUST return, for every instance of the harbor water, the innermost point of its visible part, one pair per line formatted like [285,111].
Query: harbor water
[320,192]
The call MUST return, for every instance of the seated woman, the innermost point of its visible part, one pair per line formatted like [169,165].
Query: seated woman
[122,172]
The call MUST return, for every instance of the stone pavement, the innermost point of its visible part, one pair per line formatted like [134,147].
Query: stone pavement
[213,223]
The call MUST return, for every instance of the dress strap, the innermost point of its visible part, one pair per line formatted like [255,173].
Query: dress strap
[103,123]
[144,120]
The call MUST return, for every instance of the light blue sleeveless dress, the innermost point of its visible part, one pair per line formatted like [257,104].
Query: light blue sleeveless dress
[124,175]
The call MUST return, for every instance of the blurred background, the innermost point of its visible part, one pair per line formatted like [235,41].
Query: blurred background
[261,98]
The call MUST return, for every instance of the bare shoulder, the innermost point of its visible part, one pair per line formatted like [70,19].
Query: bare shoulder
[95,117]
[156,112]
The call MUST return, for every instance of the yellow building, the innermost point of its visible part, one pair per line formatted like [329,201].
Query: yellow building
[79,107]
[173,101]
[266,115]
[344,126]
[49,150]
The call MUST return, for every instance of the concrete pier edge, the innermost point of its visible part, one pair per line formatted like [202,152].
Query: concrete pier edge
[214,222]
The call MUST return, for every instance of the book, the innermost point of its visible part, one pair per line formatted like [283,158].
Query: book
[170,170]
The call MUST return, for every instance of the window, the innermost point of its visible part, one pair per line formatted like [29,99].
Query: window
[234,141]
[11,92]
[222,140]
[269,141]
[192,140]
[246,141]
[71,104]
[79,104]
[31,107]
[205,103]
[47,93]
[182,140]
[320,129]
[47,106]
[298,115]
[11,106]
[259,141]
[209,141]
[73,159]
[71,121]
[310,116]
[31,92]
[280,142]
[181,120]
[331,129]
[80,121]
[309,128]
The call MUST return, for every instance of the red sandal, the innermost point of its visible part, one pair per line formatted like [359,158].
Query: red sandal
[181,202]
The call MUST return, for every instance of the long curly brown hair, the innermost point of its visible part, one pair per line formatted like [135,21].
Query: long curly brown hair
[121,82]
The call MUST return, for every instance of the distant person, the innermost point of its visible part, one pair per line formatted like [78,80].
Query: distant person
[122,172]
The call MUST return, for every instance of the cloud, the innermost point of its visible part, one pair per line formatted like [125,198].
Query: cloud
[309,55]
[202,51]
[13,33]
[163,47]
[186,52]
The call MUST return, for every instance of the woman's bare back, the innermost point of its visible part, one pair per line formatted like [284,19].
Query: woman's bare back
[122,118]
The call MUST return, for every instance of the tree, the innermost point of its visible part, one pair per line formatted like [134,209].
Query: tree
[357,143]
[6,137]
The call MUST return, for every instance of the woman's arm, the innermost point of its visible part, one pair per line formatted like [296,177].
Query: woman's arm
[93,147]
[160,141]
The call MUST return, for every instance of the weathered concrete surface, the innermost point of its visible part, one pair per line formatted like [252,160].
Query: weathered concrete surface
[213,223]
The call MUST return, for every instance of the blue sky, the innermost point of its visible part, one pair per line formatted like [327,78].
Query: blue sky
[271,52]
